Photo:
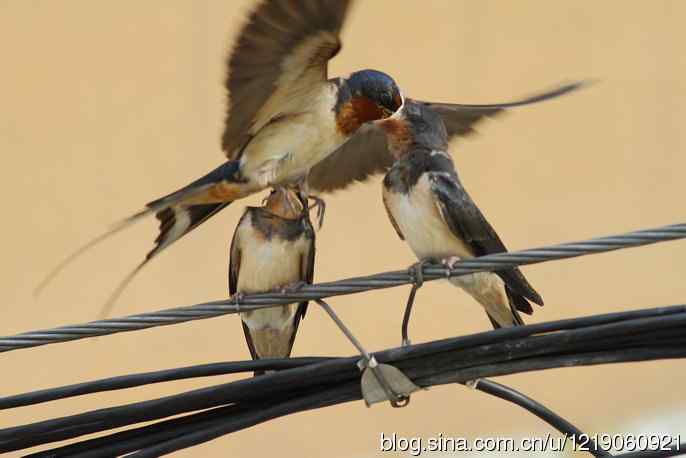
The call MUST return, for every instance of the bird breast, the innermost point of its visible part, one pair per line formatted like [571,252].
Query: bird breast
[289,146]
[266,265]
[416,214]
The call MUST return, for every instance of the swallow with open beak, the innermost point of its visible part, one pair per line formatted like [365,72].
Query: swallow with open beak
[284,116]
[288,124]
[272,249]
[430,209]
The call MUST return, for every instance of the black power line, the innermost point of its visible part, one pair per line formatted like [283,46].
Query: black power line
[307,384]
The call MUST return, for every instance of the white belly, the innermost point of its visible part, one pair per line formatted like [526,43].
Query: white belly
[429,236]
[286,149]
[267,266]
[421,223]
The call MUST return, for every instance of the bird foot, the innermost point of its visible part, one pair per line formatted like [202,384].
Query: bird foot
[450,262]
[294,287]
[320,205]
[237,298]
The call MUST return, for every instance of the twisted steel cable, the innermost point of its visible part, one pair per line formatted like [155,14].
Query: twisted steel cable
[341,287]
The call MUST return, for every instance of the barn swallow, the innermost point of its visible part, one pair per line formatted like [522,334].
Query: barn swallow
[272,249]
[285,116]
[430,209]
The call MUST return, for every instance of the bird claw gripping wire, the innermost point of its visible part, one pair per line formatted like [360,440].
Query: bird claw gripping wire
[292,288]
[237,299]
[417,273]
[379,382]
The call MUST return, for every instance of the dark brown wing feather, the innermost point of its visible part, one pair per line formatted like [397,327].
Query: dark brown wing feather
[366,153]
[468,223]
[284,47]
[307,275]
[235,257]
[460,119]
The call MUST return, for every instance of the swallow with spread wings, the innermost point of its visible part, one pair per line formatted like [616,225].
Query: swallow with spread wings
[289,124]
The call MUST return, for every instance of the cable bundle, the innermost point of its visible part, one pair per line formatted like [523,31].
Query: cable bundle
[309,383]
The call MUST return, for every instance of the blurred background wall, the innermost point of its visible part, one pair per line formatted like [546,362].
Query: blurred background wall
[106,105]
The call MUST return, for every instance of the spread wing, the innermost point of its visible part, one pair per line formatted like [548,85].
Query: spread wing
[466,221]
[460,119]
[281,53]
[366,153]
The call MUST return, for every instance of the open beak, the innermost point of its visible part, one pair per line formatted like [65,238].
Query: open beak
[388,114]
[397,112]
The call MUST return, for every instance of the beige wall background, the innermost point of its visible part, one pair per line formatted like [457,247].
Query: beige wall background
[106,105]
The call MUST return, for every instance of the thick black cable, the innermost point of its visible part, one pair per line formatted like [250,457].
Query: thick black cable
[148,378]
[448,361]
[539,410]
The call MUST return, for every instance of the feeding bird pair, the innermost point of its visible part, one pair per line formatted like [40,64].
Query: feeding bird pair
[291,128]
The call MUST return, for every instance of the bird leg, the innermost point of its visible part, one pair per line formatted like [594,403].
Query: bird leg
[304,193]
[417,272]
[320,205]
[380,382]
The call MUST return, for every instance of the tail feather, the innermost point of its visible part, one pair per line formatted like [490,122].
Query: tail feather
[518,303]
[229,172]
[179,213]
[172,228]
[86,248]
[177,221]
[299,315]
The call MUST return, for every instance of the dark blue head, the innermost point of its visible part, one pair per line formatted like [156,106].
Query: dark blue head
[377,87]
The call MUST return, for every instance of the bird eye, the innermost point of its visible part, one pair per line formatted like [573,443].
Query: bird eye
[387,101]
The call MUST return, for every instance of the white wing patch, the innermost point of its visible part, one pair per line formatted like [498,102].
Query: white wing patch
[182,221]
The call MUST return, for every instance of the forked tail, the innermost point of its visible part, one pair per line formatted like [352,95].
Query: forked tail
[178,213]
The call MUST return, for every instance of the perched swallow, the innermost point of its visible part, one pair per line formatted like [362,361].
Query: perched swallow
[433,213]
[272,249]
[285,117]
